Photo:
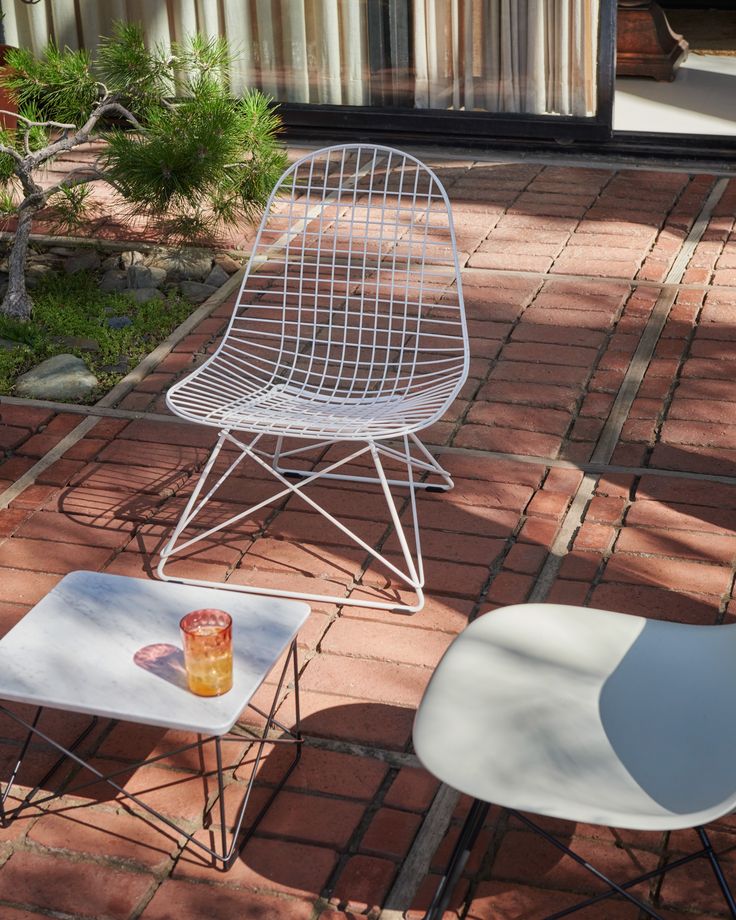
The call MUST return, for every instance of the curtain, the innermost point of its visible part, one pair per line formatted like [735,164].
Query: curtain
[531,56]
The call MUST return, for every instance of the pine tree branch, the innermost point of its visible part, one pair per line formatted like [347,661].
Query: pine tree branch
[82,135]
[11,152]
[86,175]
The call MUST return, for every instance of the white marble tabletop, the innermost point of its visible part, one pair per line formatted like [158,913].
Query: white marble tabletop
[109,645]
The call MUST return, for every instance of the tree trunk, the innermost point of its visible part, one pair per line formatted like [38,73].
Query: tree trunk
[16,303]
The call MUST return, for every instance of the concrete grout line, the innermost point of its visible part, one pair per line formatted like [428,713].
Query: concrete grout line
[392,758]
[415,866]
[433,829]
[595,279]
[29,477]
[624,398]
[589,466]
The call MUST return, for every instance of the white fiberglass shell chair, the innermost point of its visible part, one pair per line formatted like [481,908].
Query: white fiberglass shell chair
[349,327]
[589,716]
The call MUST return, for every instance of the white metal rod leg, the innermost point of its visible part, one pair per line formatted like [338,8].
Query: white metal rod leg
[413,576]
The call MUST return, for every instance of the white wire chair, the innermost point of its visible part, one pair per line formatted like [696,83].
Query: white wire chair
[349,326]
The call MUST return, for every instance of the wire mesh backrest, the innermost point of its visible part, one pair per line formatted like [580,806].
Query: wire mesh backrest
[360,297]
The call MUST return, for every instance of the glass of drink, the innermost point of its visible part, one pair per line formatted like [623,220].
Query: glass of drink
[208,651]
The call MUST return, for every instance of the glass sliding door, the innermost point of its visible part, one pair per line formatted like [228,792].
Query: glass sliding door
[484,68]
[492,64]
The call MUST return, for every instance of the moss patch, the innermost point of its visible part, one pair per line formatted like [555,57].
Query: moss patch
[72,306]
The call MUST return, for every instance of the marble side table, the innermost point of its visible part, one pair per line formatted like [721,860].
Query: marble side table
[109,646]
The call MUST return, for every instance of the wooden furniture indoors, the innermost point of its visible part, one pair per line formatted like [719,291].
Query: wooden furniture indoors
[646,46]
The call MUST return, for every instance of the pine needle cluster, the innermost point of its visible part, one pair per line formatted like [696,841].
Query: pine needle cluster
[198,157]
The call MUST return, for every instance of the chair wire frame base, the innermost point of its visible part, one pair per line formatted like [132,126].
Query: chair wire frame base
[222,853]
[474,823]
[276,463]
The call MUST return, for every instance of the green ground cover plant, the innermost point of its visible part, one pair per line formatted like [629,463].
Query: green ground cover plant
[72,307]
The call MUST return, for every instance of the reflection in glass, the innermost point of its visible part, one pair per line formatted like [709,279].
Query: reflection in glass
[513,56]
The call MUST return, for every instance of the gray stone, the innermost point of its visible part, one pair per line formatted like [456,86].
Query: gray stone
[143,295]
[115,279]
[121,367]
[43,258]
[131,257]
[217,277]
[63,251]
[182,265]
[227,263]
[60,377]
[145,276]
[85,261]
[9,345]
[110,263]
[76,341]
[119,322]
[34,273]
[195,292]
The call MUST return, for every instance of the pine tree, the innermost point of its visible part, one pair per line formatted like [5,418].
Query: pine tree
[180,149]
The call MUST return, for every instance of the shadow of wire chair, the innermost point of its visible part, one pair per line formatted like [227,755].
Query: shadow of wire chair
[588,716]
[349,327]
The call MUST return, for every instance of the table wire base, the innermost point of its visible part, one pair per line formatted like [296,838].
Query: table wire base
[226,853]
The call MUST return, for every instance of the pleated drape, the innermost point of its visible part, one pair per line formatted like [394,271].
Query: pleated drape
[521,56]
[517,56]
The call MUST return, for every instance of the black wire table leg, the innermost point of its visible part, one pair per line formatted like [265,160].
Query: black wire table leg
[717,870]
[460,854]
[4,820]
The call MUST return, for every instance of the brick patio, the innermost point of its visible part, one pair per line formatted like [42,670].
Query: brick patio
[582,285]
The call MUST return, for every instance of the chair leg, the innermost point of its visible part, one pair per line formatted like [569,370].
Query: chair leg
[717,870]
[411,577]
[458,859]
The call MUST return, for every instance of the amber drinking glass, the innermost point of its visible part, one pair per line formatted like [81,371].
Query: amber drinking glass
[208,651]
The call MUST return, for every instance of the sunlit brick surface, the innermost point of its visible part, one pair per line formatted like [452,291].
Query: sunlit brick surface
[562,268]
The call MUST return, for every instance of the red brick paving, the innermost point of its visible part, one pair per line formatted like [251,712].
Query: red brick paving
[548,356]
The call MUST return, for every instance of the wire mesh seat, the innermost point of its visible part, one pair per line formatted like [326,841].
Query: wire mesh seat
[349,326]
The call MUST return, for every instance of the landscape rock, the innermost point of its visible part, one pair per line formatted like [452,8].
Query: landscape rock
[9,344]
[195,292]
[34,273]
[217,277]
[121,367]
[131,257]
[60,377]
[43,258]
[145,276]
[227,263]
[85,261]
[182,265]
[63,251]
[76,341]
[119,322]
[143,295]
[114,279]
[111,262]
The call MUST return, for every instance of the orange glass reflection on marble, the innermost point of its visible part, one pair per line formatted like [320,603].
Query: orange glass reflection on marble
[208,651]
